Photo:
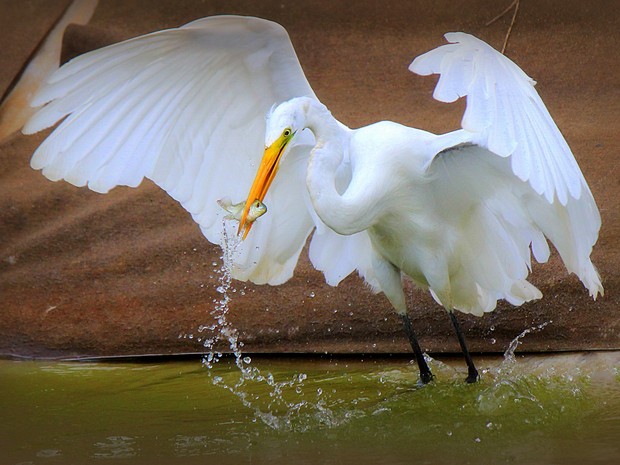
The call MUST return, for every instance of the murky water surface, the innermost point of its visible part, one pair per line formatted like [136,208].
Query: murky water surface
[562,409]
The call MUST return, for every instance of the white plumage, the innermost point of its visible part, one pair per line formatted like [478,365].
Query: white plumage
[185,108]
[460,213]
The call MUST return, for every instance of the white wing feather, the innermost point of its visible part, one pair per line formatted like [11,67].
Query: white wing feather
[186,108]
[496,223]
[337,256]
[505,113]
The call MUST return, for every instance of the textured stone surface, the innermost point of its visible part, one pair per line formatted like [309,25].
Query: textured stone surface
[129,272]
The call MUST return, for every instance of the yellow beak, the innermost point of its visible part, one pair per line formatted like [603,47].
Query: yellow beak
[264,177]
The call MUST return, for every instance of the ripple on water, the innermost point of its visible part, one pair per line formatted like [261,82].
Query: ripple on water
[546,409]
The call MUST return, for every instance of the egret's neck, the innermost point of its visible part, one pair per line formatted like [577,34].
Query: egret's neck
[324,126]
[325,158]
[330,139]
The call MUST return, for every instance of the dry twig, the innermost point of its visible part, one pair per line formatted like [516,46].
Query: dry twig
[515,5]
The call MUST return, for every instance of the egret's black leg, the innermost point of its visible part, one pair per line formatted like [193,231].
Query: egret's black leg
[425,372]
[472,375]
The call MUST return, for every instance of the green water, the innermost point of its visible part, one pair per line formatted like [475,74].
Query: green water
[562,409]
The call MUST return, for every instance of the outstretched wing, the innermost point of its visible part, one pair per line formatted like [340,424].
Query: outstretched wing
[505,113]
[185,108]
[496,222]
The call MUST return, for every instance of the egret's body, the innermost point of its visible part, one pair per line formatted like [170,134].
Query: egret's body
[459,213]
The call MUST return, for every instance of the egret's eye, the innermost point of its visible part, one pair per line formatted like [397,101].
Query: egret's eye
[287,132]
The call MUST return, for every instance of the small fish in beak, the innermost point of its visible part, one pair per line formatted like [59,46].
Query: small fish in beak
[235,211]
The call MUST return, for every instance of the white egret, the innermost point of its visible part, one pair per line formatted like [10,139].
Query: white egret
[459,213]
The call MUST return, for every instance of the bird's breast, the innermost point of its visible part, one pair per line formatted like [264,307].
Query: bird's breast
[409,242]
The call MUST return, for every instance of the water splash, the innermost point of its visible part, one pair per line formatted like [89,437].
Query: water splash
[509,355]
[510,386]
[284,400]
[221,328]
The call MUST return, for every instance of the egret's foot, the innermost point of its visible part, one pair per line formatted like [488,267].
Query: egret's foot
[425,372]
[472,373]
[425,378]
[472,376]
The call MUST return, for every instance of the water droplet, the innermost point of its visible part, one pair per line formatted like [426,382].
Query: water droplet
[312,294]
[247,360]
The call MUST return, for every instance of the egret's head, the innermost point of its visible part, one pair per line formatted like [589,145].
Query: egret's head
[287,118]
[283,123]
